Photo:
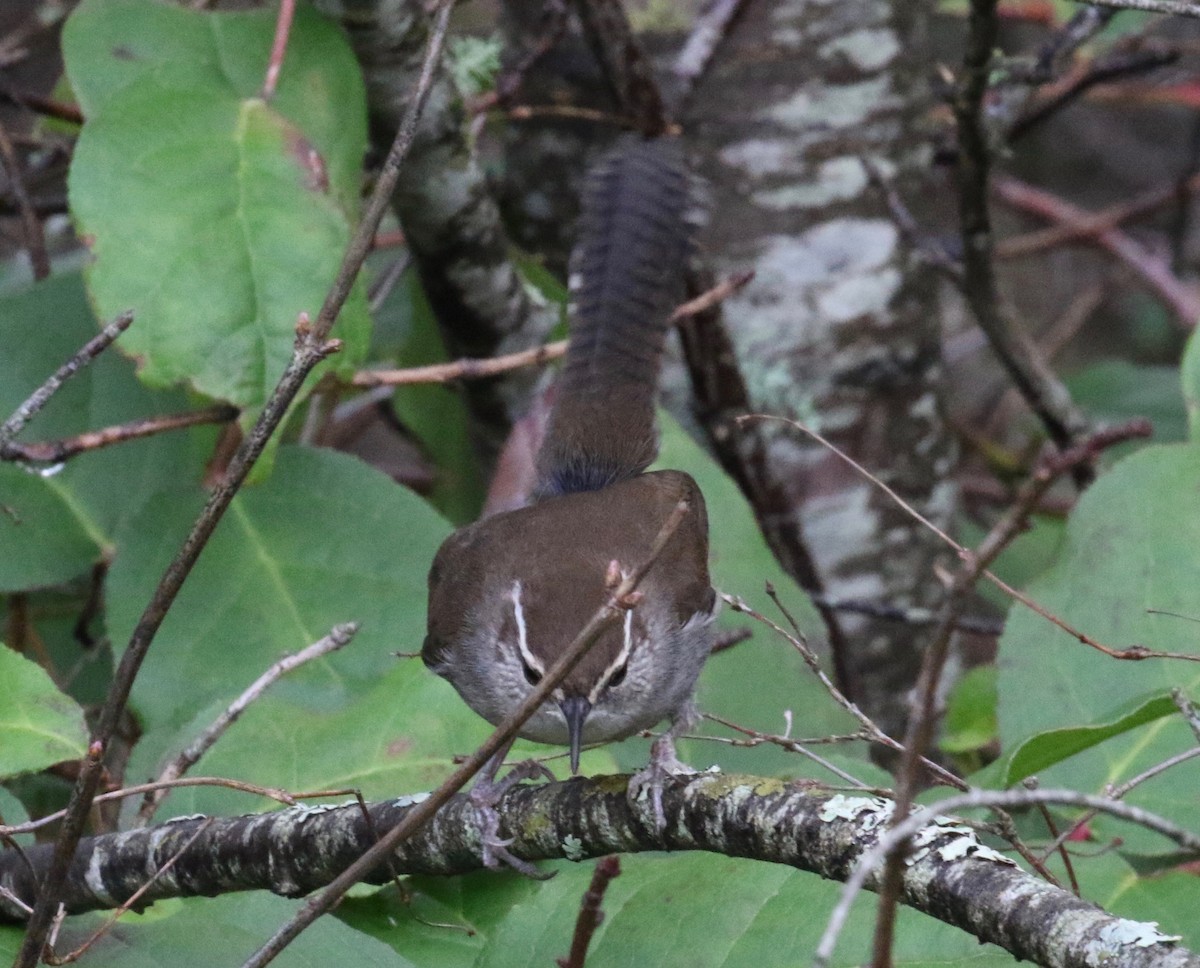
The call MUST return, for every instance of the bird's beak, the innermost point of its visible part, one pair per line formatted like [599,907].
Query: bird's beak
[575,709]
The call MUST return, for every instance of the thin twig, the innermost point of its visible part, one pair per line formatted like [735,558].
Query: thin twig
[1041,388]
[1187,710]
[283,29]
[693,59]
[88,352]
[1093,223]
[338,638]
[869,860]
[1182,8]
[1183,299]
[500,739]
[1101,439]
[590,914]
[473,369]
[56,451]
[464,369]
[312,346]
[792,746]
[271,793]
[877,735]
[1114,65]
[31,225]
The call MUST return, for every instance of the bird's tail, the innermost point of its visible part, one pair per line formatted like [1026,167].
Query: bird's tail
[627,274]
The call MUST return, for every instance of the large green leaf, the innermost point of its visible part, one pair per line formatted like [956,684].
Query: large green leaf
[55,526]
[217,216]
[39,725]
[1132,545]
[325,540]
[1053,746]
[694,910]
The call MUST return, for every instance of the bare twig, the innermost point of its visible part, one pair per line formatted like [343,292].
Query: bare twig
[1184,300]
[465,369]
[88,352]
[1100,440]
[31,225]
[1187,710]
[1040,387]
[471,369]
[271,793]
[55,451]
[1182,8]
[757,738]
[590,914]
[713,296]
[1115,65]
[283,28]
[338,638]
[312,346]
[626,67]
[1093,223]
[693,59]
[35,102]
[876,734]
[500,739]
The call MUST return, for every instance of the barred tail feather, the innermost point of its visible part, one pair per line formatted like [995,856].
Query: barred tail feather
[627,274]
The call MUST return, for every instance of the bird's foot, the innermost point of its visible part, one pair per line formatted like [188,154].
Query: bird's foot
[484,795]
[648,782]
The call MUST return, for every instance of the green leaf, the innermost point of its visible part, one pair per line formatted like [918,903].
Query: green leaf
[39,725]
[44,538]
[1190,377]
[693,910]
[55,527]
[1055,745]
[970,721]
[436,414]
[1132,545]
[216,216]
[215,933]
[1114,391]
[325,540]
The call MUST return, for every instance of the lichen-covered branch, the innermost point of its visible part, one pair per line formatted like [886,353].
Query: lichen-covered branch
[294,851]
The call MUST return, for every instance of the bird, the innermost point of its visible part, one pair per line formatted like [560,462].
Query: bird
[510,592]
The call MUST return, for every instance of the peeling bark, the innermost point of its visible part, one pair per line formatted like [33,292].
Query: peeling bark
[294,851]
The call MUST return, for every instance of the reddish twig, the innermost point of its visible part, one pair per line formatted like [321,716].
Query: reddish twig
[283,29]
[1184,300]
[1092,223]
[55,451]
[590,914]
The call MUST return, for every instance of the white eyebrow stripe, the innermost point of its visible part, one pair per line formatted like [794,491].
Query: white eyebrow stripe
[620,660]
[522,635]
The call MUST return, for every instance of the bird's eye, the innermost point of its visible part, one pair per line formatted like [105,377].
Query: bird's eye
[617,677]
[532,676]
